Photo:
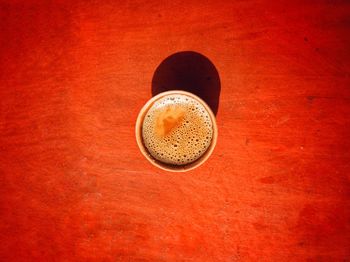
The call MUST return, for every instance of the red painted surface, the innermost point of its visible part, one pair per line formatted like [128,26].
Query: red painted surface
[74,186]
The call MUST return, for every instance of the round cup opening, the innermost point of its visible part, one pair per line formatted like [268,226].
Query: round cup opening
[169,167]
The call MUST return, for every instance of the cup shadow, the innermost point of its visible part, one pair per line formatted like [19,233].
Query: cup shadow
[191,72]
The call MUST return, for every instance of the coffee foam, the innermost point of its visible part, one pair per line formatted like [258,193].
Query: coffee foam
[177,129]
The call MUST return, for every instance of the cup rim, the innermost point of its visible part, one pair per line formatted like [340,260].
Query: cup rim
[164,166]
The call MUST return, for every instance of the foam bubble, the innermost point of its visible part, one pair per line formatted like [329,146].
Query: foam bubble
[177,130]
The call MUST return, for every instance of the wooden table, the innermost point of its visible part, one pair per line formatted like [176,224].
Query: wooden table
[74,186]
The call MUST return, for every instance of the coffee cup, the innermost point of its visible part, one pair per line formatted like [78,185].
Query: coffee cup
[176,131]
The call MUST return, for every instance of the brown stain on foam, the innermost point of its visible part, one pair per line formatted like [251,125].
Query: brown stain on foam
[167,120]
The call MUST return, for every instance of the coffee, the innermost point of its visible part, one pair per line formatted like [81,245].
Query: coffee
[177,129]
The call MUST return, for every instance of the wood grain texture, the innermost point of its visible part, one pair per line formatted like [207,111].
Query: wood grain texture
[74,186]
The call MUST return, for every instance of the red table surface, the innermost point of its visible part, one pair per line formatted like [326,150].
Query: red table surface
[74,185]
